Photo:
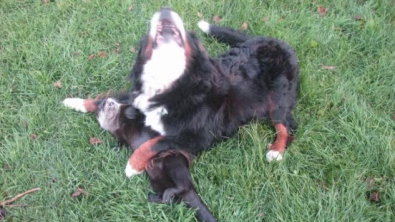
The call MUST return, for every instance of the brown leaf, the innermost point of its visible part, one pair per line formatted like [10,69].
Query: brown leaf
[117,44]
[45,1]
[76,53]
[216,18]
[374,196]
[130,8]
[6,167]
[133,50]
[33,136]
[94,141]
[244,26]
[199,14]
[101,54]
[78,192]
[321,10]
[57,84]
[328,67]
[358,17]
[115,51]
[91,56]
[264,19]
[259,214]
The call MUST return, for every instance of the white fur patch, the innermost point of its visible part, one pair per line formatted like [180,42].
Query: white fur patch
[177,22]
[75,103]
[129,171]
[204,26]
[273,155]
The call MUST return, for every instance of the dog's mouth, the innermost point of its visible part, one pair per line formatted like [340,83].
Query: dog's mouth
[167,27]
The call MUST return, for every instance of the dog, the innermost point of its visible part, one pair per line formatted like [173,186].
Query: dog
[193,101]
[168,171]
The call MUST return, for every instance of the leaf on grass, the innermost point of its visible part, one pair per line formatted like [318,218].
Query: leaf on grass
[374,196]
[101,54]
[358,17]
[45,1]
[33,136]
[130,7]
[216,18]
[91,56]
[264,19]
[321,11]
[6,167]
[244,26]
[57,84]
[78,192]
[199,14]
[115,51]
[259,214]
[328,67]
[94,141]
[369,182]
[133,50]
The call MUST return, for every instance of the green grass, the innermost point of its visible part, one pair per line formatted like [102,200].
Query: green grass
[346,116]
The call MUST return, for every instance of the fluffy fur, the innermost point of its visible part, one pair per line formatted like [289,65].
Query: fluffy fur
[167,171]
[199,100]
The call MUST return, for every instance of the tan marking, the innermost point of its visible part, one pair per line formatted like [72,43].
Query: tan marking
[281,138]
[142,155]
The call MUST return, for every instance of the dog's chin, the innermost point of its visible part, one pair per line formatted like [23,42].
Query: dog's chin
[166,28]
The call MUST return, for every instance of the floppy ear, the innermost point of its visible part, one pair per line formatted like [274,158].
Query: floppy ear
[131,112]
[198,44]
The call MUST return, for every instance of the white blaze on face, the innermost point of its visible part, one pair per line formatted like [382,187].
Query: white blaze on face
[177,22]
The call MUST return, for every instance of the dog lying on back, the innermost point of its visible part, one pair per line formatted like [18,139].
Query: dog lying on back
[167,171]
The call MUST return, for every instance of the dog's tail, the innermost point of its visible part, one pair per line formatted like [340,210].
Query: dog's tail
[193,201]
[223,34]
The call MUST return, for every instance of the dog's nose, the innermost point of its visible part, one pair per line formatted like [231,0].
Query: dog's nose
[165,8]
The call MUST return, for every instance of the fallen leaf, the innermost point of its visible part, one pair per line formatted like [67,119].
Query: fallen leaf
[374,196]
[78,192]
[33,136]
[76,53]
[264,19]
[281,19]
[133,50]
[101,54]
[216,18]
[358,17]
[369,182]
[94,141]
[45,1]
[115,51]
[84,33]
[130,8]
[393,117]
[6,167]
[199,14]
[57,84]
[90,57]
[259,214]
[244,26]
[321,10]
[117,44]
[328,67]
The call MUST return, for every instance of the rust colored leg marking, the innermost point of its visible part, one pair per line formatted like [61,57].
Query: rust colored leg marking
[281,138]
[90,105]
[142,155]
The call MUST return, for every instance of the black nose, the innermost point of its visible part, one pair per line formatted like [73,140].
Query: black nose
[165,8]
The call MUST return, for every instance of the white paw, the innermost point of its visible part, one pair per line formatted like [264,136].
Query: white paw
[204,26]
[75,103]
[129,171]
[273,155]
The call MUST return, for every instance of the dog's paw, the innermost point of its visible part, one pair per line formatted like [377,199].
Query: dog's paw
[204,26]
[273,155]
[75,103]
[129,171]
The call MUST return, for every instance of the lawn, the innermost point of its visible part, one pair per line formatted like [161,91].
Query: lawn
[340,167]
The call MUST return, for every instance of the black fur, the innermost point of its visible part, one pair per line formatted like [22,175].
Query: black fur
[168,171]
[255,80]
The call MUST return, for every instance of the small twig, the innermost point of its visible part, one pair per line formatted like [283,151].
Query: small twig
[16,205]
[18,196]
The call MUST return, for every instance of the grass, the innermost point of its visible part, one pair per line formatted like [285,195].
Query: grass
[346,115]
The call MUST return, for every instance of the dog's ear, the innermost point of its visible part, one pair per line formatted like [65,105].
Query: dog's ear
[131,112]
[197,43]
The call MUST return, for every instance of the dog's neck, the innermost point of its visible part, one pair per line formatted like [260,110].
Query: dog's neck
[166,65]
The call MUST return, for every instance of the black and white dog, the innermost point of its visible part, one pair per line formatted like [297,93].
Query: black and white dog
[194,101]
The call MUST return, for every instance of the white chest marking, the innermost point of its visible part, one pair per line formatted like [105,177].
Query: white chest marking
[167,64]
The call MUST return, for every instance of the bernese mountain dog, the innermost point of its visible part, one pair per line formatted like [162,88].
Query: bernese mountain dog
[168,171]
[193,101]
